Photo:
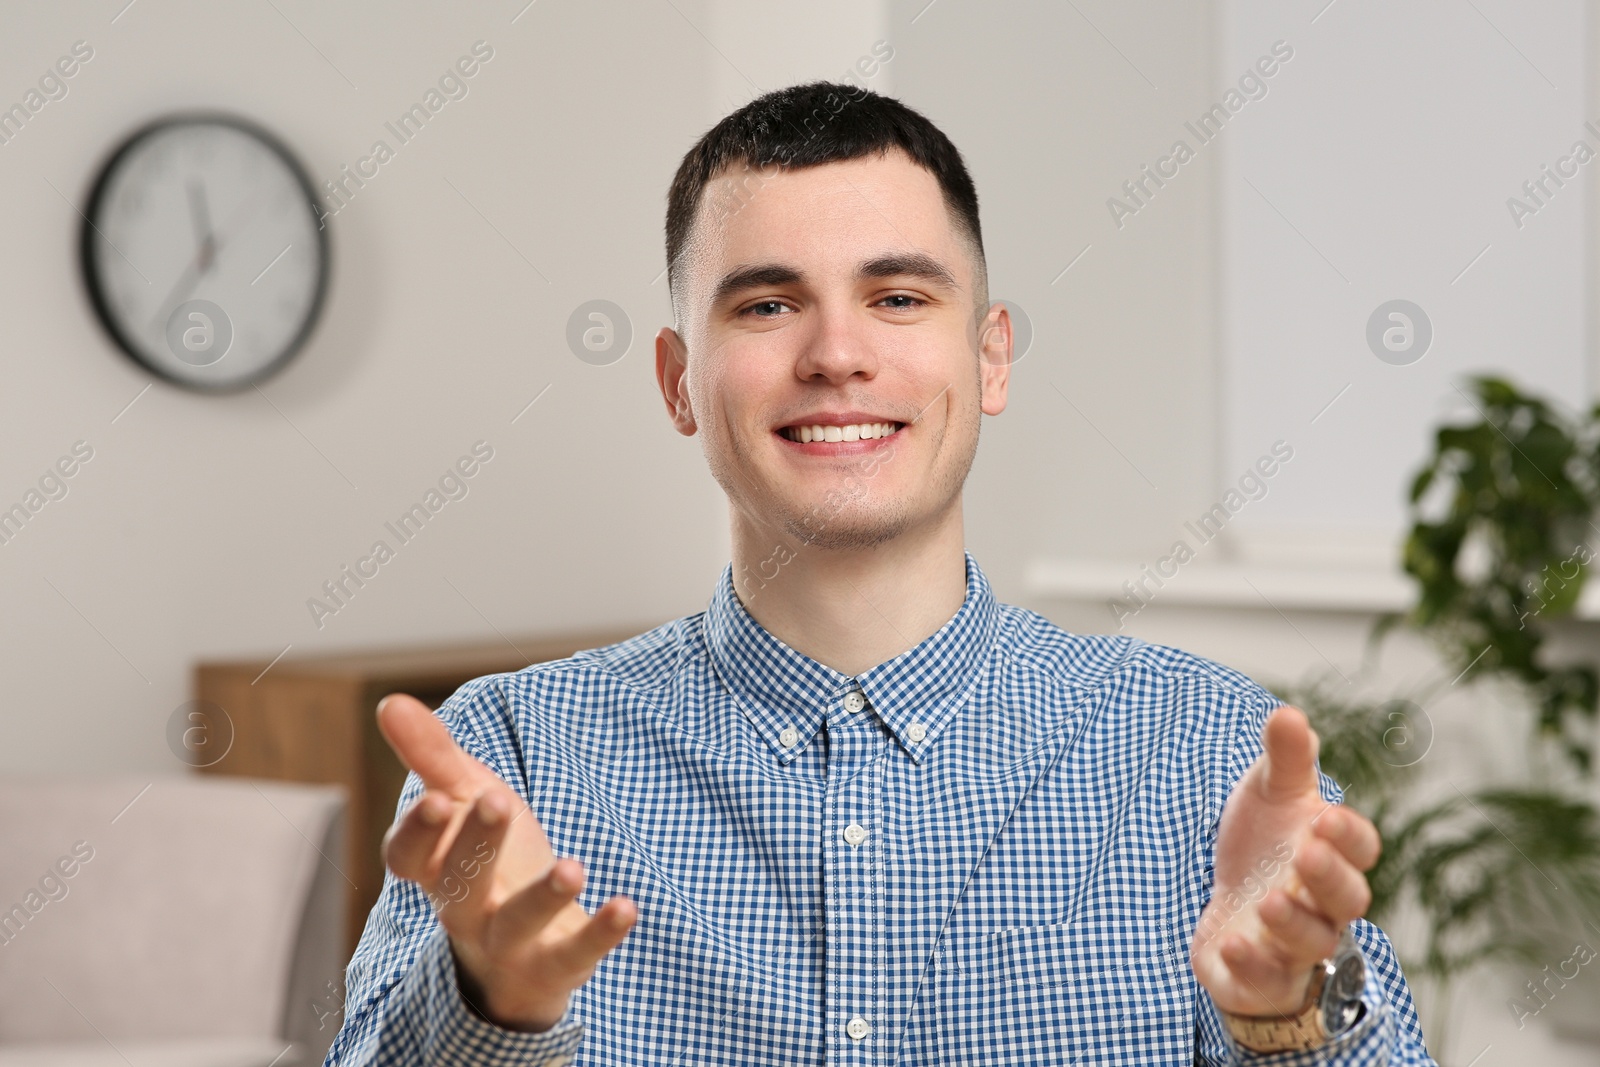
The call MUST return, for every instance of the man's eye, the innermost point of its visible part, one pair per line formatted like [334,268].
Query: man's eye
[762,304]
[902,296]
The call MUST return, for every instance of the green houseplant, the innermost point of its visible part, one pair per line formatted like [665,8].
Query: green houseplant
[1502,516]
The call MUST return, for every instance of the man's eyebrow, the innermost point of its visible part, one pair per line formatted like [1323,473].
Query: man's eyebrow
[741,278]
[893,265]
[909,265]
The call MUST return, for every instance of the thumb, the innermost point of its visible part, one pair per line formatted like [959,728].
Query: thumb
[1289,754]
[424,745]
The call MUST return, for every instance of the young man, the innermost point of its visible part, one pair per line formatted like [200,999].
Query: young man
[858,811]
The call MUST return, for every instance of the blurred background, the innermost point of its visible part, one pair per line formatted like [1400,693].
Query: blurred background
[1379,225]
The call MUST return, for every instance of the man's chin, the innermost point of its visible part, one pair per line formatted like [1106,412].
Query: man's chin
[846,532]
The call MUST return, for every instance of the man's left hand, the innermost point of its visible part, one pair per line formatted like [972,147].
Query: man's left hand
[1289,878]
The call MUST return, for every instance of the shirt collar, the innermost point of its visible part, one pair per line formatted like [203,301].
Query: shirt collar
[915,694]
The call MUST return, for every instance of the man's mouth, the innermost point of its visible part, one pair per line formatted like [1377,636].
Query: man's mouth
[861,431]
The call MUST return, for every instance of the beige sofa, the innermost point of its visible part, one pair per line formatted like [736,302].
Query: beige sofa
[182,921]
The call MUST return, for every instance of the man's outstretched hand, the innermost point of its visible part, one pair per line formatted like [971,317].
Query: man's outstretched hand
[1289,877]
[522,942]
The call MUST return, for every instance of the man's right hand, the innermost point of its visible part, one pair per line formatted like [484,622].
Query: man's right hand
[522,942]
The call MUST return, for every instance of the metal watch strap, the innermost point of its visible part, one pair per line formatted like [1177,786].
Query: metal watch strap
[1300,1032]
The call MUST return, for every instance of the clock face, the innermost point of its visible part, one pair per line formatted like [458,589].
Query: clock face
[203,252]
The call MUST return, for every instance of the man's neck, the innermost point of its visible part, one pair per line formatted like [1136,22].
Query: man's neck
[852,609]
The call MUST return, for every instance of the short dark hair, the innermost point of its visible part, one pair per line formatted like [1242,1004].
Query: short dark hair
[808,125]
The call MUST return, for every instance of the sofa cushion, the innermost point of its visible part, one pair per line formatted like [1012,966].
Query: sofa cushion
[133,908]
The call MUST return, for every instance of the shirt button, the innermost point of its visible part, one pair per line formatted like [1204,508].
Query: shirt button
[916,731]
[855,833]
[558,1061]
[854,701]
[858,1028]
[789,736]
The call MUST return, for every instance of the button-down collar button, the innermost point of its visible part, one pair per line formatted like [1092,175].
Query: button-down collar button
[854,701]
[855,833]
[789,736]
[916,731]
[858,1028]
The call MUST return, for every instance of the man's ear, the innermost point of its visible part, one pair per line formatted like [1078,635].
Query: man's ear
[672,366]
[994,358]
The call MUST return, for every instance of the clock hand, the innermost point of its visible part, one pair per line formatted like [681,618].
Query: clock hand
[205,256]
[185,284]
[202,225]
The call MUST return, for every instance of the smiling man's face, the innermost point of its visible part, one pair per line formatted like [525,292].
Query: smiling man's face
[838,296]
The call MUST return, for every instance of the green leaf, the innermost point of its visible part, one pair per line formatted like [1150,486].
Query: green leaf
[1424,478]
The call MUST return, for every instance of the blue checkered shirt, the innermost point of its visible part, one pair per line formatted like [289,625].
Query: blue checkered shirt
[991,849]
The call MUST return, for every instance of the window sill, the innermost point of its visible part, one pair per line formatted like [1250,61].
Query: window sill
[1268,586]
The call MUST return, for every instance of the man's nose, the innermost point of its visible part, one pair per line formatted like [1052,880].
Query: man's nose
[838,345]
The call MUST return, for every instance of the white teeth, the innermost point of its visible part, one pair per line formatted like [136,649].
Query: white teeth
[865,431]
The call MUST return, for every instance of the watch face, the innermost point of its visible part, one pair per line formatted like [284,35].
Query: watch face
[1341,996]
[202,251]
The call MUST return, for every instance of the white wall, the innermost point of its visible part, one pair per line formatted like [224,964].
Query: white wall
[1379,166]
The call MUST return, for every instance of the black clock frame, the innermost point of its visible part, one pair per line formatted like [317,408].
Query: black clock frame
[88,246]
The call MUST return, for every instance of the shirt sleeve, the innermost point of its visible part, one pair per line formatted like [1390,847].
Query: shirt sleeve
[403,1005]
[1388,1032]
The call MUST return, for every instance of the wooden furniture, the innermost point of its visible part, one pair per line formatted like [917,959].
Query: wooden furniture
[312,719]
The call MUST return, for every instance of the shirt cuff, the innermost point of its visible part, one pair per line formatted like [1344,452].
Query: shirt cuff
[1369,1040]
[461,1035]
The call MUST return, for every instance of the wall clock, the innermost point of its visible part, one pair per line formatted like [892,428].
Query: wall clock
[203,252]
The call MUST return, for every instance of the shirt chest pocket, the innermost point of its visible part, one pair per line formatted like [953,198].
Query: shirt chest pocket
[1060,993]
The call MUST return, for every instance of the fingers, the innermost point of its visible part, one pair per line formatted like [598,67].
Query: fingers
[1335,886]
[587,939]
[424,745]
[1304,936]
[448,847]
[1289,755]
[461,889]
[413,841]
[529,910]
[1352,833]
[602,933]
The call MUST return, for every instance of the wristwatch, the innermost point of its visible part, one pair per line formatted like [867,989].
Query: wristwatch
[1332,1004]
